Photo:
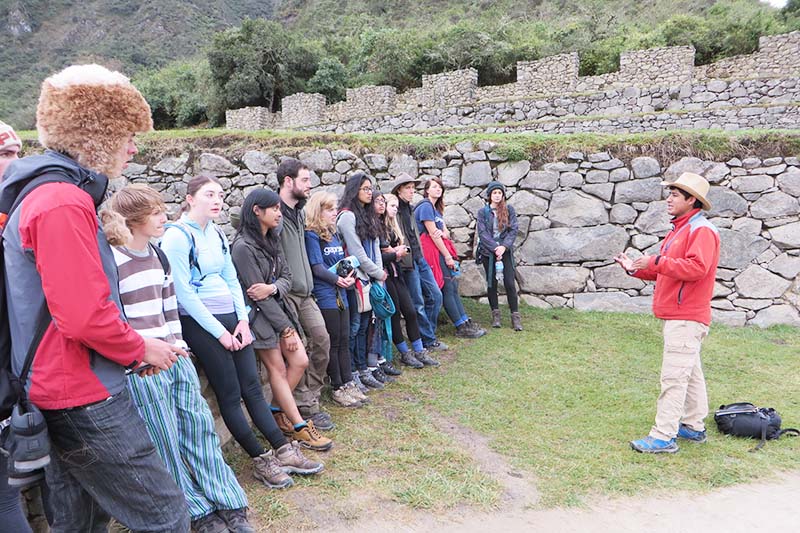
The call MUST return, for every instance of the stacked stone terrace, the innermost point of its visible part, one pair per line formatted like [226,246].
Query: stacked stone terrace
[654,89]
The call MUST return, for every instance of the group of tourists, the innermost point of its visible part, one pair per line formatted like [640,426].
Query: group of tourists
[314,288]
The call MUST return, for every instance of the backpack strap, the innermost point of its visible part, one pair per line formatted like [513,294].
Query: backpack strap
[792,432]
[764,425]
[43,322]
[162,258]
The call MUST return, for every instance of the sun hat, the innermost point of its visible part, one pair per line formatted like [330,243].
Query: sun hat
[694,184]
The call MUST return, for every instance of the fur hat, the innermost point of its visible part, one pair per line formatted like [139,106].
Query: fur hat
[88,112]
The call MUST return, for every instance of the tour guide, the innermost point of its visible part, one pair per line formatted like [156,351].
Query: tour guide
[684,270]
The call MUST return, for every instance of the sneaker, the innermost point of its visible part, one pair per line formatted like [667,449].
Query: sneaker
[467,331]
[437,346]
[268,470]
[342,398]
[390,370]
[284,424]
[475,327]
[291,460]
[685,432]
[360,386]
[210,523]
[652,445]
[322,421]
[368,380]
[381,376]
[425,358]
[32,444]
[310,438]
[356,393]
[236,520]
[409,359]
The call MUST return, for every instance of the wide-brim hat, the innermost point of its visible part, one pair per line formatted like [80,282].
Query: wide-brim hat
[694,184]
[401,180]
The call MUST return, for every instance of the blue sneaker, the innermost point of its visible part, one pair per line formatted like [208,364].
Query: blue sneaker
[689,434]
[653,445]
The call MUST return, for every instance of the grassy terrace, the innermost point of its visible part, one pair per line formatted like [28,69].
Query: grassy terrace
[558,402]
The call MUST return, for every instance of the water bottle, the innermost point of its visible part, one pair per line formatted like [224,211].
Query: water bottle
[498,270]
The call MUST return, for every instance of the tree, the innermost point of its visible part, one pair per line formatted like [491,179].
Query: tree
[178,93]
[330,79]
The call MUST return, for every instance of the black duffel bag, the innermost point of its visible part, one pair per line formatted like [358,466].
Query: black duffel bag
[744,419]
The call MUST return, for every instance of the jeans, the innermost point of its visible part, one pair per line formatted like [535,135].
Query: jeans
[427,298]
[450,298]
[359,323]
[103,464]
[508,281]
[11,516]
[340,365]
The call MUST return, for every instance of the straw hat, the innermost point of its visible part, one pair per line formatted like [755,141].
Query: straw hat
[694,184]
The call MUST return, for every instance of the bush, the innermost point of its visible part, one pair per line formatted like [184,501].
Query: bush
[330,79]
[178,93]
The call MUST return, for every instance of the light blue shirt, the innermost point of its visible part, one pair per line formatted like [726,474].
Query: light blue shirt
[215,291]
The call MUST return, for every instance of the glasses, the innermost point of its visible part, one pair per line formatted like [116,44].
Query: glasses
[380,201]
[366,189]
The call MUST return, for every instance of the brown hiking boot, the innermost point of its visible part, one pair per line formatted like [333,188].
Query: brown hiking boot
[292,460]
[496,318]
[310,438]
[267,468]
[284,424]
[516,321]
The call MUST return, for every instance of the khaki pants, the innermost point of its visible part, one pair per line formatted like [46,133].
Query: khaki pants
[318,346]
[683,397]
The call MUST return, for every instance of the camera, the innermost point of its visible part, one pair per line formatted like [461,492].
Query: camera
[344,268]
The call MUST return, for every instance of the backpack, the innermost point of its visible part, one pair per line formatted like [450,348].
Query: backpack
[193,262]
[746,420]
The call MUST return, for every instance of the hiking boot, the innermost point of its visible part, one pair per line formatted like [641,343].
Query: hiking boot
[496,318]
[291,460]
[653,445]
[310,438]
[381,376]
[516,321]
[685,432]
[356,393]
[322,421]
[236,520]
[437,346]
[425,358]
[481,332]
[465,331]
[390,370]
[284,424]
[268,470]
[210,523]
[368,380]
[409,359]
[360,386]
[342,398]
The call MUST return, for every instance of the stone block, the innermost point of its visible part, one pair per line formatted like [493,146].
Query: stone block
[777,314]
[317,160]
[612,276]
[757,282]
[510,173]
[552,279]
[575,209]
[642,190]
[654,220]
[526,203]
[774,205]
[557,245]
[645,167]
[738,249]
[540,180]
[615,302]
[216,165]
[259,162]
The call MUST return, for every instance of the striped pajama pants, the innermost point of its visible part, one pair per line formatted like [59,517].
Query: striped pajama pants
[182,429]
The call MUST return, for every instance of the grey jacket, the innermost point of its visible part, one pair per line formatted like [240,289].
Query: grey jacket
[293,241]
[346,224]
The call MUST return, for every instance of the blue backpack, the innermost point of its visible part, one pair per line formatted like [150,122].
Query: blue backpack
[194,265]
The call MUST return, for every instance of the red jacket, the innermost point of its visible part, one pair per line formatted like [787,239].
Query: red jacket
[685,270]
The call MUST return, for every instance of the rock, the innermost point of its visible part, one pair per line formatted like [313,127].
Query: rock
[686,164]
[753,305]
[533,301]
[574,209]
[472,282]
[738,249]
[510,174]
[720,290]
[134,169]
[601,190]
[376,162]
[757,282]
[552,280]
[642,241]
[596,176]
[404,163]
[342,167]
[456,216]
[645,167]
[773,205]
[643,190]
[317,160]
[717,172]
[471,157]
[575,156]
[655,220]
[329,178]
[751,162]
[540,180]
[458,196]
[757,183]
[786,236]
[609,165]
[598,157]
[622,214]
[451,177]
[570,179]
[573,244]
[556,301]
[560,166]
[789,181]
[747,225]
[729,318]
[476,174]
[433,163]
[526,203]
[537,223]
[725,203]
[612,276]
[722,304]
[619,174]
[217,165]
[259,162]
[777,314]
[173,165]
[617,302]
[786,265]
[487,146]
[464,146]
[344,155]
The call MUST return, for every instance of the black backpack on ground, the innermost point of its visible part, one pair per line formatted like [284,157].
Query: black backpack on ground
[744,419]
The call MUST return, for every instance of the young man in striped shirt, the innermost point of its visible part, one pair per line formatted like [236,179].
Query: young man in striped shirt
[175,413]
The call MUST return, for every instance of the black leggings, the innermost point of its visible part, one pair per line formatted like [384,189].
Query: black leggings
[508,282]
[337,322]
[405,307]
[234,377]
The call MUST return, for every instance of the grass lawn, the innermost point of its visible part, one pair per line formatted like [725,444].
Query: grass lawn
[560,401]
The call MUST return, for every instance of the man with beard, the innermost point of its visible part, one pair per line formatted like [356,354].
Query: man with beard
[295,182]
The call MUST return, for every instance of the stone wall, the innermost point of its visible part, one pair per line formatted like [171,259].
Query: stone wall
[668,66]
[575,215]
[551,75]
[302,109]
[252,118]
[777,55]
[450,88]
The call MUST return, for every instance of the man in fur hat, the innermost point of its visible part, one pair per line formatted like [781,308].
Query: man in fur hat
[102,463]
